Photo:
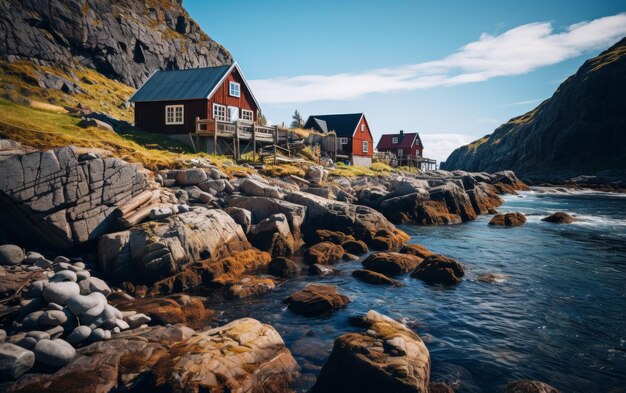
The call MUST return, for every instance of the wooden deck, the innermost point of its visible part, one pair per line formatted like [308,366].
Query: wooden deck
[231,135]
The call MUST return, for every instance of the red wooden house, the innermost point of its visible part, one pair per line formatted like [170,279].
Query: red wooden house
[354,137]
[402,145]
[170,101]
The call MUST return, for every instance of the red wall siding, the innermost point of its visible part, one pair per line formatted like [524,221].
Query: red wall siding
[359,137]
[222,97]
[150,116]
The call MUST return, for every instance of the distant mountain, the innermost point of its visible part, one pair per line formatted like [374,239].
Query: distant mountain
[125,40]
[580,130]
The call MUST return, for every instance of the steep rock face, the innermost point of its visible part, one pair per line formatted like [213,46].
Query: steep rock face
[125,40]
[159,249]
[578,131]
[60,200]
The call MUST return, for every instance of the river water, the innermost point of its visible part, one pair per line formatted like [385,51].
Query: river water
[556,311]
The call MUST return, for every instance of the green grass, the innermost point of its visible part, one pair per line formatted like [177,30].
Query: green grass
[44,130]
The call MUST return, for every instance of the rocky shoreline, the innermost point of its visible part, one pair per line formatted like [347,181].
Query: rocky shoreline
[98,303]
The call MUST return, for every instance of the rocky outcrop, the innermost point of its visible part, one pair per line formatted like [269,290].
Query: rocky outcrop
[388,357]
[125,40]
[552,142]
[391,263]
[363,222]
[159,249]
[58,199]
[559,218]
[316,299]
[243,356]
[439,269]
[508,219]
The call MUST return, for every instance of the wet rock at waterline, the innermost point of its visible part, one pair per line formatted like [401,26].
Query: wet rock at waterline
[373,277]
[559,218]
[388,357]
[391,263]
[508,219]
[439,269]
[316,299]
[529,387]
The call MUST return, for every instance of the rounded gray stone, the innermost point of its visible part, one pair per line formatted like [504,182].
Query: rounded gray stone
[60,292]
[35,289]
[82,274]
[64,275]
[27,342]
[79,334]
[11,254]
[55,353]
[52,318]
[38,335]
[94,284]
[90,305]
[97,335]
[32,257]
[14,361]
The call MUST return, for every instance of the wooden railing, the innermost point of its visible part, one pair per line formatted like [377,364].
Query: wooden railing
[239,129]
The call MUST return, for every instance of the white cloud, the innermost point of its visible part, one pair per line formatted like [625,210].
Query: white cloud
[514,52]
[439,146]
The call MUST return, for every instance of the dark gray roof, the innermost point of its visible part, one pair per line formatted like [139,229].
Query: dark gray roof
[171,85]
[322,125]
[343,124]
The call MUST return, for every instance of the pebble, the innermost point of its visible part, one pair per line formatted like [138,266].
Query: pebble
[55,353]
[98,334]
[52,318]
[54,306]
[3,335]
[107,318]
[56,331]
[32,257]
[35,289]
[94,284]
[136,320]
[60,292]
[64,275]
[27,342]
[61,258]
[38,335]
[14,361]
[79,334]
[79,265]
[89,306]
[122,324]
[31,321]
[43,263]
[81,275]
[11,254]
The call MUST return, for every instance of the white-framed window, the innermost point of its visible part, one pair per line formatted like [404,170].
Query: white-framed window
[234,89]
[362,127]
[219,112]
[247,115]
[174,114]
[343,141]
[394,139]
[365,146]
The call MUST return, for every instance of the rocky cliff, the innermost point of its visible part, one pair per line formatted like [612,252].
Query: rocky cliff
[125,40]
[578,131]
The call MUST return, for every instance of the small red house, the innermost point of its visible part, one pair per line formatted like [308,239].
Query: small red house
[401,144]
[170,100]
[353,133]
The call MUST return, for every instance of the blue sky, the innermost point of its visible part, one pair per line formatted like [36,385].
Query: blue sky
[452,70]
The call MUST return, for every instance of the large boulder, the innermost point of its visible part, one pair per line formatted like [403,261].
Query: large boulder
[273,235]
[262,208]
[362,222]
[255,187]
[391,263]
[439,269]
[388,357]
[559,218]
[243,356]
[324,253]
[156,250]
[51,197]
[316,299]
[525,386]
[508,219]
